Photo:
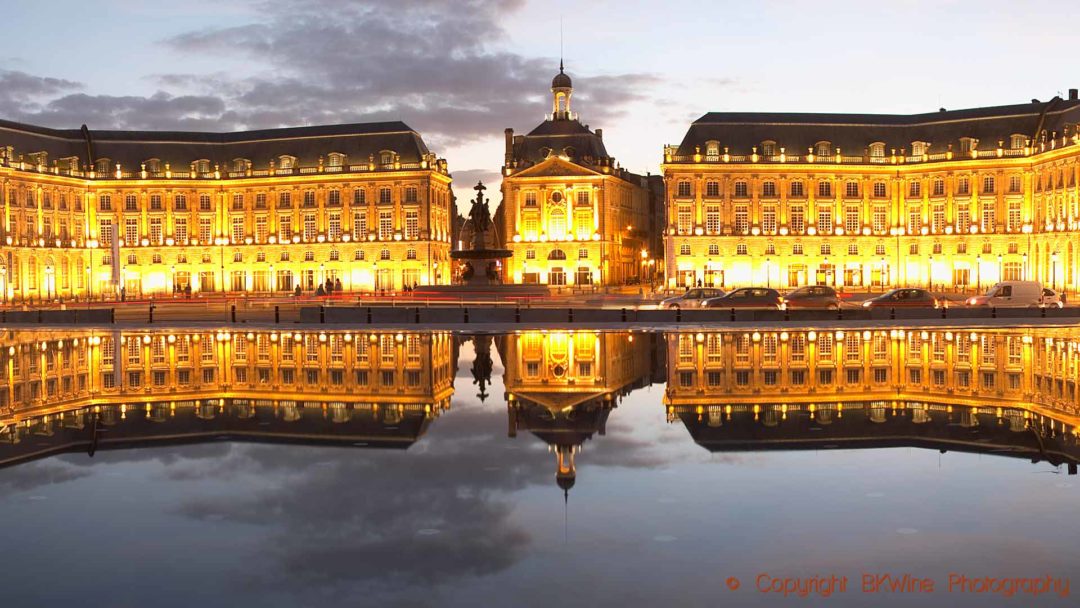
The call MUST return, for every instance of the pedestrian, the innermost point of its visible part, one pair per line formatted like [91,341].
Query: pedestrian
[337,284]
[297,292]
[320,291]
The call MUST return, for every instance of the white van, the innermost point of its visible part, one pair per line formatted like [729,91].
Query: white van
[1011,294]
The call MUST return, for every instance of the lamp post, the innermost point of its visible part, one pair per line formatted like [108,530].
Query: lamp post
[49,281]
[768,271]
[930,272]
[1001,268]
[978,273]
[1025,269]
[271,284]
[1053,271]
[825,268]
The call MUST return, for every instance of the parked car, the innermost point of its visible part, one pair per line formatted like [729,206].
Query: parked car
[1052,299]
[692,298]
[904,298]
[813,296]
[1016,294]
[746,297]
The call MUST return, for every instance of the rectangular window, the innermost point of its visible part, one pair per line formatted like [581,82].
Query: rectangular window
[879,190]
[206,230]
[712,189]
[740,189]
[852,221]
[262,229]
[1015,184]
[685,219]
[333,230]
[768,219]
[384,196]
[825,218]
[131,232]
[105,202]
[712,219]
[963,218]
[583,197]
[155,202]
[386,225]
[334,198]
[938,219]
[824,189]
[768,189]
[797,190]
[742,219]
[359,230]
[180,230]
[105,232]
[238,229]
[204,203]
[412,225]
[1015,224]
[180,202]
[285,228]
[309,227]
[988,184]
[988,216]
[797,219]
[914,189]
[851,189]
[914,219]
[530,199]
[156,233]
[881,218]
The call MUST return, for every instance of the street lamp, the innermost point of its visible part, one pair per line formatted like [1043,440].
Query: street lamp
[768,271]
[1025,266]
[1001,268]
[49,280]
[930,272]
[1054,259]
[978,273]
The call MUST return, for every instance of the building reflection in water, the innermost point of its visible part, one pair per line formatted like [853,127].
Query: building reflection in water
[562,386]
[81,390]
[1012,392]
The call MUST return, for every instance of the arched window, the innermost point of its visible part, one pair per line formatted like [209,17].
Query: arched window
[386,158]
[712,148]
[1017,141]
[967,144]
[557,224]
[153,165]
[335,159]
[768,148]
[918,148]
[557,254]
[286,162]
[240,165]
[823,148]
[202,166]
[102,166]
[877,150]
[569,152]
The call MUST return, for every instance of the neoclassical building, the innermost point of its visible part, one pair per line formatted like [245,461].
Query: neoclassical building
[87,213]
[571,214]
[951,198]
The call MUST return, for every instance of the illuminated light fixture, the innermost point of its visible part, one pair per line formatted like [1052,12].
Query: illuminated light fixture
[811,231]
[784,336]
[866,335]
[783,231]
[755,231]
[172,338]
[371,237]
[699,231]
[925,231]
[322,337]
[170,242]
[812,336]
[756,337]
[144,242]
[839,335]
[517,238]
[596,236]
[146,339]
[322,238]
[866,231]
[249,240]
[543,237]
[974,229]
[345,238]
[699,338]
[273,337]
[271,239]
[296,238]
[948,229]
[839,231]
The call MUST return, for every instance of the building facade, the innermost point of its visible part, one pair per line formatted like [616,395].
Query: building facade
[953,198]
[87,214]
[569,213]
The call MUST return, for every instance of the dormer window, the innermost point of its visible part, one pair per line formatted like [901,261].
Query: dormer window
[918,148]
[768,148]
[712,148]
[967,144]
[335,159]
[240,165]
[569,152]
[545,152]
[102,166]
[1017,141]
[70,163]
[153,165]
[386,158]
[877,149]
[202,166]
[823,148]
[286,162]
[39,158]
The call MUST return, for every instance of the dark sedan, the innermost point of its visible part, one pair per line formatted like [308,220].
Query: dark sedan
[904,298]
[814,296]
[746,297]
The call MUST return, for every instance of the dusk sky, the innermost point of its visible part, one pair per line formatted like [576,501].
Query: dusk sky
[460,72]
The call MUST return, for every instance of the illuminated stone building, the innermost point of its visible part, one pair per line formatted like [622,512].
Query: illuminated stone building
[952,198]
[380,388]
[1019,379]
[570,214]
[561,386]
[87,213]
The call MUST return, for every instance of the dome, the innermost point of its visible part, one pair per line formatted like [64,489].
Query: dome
[561,80]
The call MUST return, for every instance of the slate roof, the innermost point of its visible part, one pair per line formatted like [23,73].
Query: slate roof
[558,135]
[853,133]
[180,148]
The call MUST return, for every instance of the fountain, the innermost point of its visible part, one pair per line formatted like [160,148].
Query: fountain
[481,257]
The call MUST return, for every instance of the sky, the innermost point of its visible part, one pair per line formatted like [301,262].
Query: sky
[460,72]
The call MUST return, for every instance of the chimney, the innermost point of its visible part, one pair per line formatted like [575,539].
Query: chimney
[600,132]
[509,134]
[1072,94]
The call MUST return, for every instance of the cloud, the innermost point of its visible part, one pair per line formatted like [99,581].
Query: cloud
[35,475]
[439,66]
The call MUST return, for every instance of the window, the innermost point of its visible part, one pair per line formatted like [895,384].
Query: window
[386,225]
[938,218]
[285,232]
[852,221]
[797,249]
[796,189]
[583,198]
[1015,216]
[768,219]
[823,149]
[530,199]
[914,189]
[825,219]
[988,216]
[684,249]
[963,185]
[180,202]
[712,189]
[1017,141]
[714,249]
[131,203]
[851,189]
[768,189]
[359,197]
[918,148]
[359,230]
[358,255]
[105,202]
[824,189]
[156,233]
[180,230]
[879,190]
[411,194]
[741,249]
[206,230]
[384,196]
[742,219]
[334,198]
[914,219]
[309,227]
[797,219]
[412,225]
[963,218]
[877,150]
[988,184]
[333,230]
[131,231]
[238,229]
[1015,182]
[768,148]
[825,249]
[685,219]
[683,189]
[740,189]
[712,219]
[853,249]
[204,203]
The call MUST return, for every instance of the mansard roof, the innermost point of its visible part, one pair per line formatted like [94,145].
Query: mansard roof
[180,148]
[854,133]
[559,136]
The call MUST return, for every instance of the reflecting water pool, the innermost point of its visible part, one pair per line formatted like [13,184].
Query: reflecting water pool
[833,468]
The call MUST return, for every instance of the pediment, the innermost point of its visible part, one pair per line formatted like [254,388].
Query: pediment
[555,166]
[557,401]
